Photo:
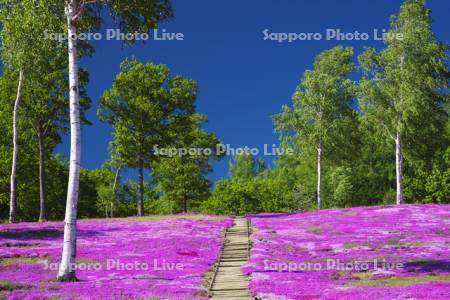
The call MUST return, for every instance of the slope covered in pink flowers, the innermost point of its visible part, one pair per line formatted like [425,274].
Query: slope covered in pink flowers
[389,252]
[148,258]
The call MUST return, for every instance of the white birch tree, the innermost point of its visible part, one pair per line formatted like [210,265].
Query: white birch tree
[321,110]
[403,85]
[131,16]
[24,50]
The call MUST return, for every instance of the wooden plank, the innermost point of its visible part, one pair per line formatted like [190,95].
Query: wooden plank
[229,282]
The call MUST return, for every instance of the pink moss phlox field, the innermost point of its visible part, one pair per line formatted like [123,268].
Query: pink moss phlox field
[117,259]
[382,252]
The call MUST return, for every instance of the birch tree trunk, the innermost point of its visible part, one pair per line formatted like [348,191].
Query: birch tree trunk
[141,189]
[398,152]
[319,173]
[399,168]
[66,270]
[114,189]
[42,191]
[13,195]
[116,177]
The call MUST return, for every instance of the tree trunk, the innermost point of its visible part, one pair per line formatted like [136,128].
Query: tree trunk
[399,168]
[141,189]
[66,270]
[114,189]
[319,173]
[185,204]
[116,177]
[398,152]
[13,195]
[42,193]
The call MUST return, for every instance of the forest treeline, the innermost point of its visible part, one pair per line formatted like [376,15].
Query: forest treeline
[381,139]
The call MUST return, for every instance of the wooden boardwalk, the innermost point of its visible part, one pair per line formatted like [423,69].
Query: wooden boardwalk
[228,282]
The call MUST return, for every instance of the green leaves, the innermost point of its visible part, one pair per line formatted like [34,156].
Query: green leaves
[322,100]
[148,108]
[137,16]
[140,15]
[404,82]
[24,45]
[182,179]
[404,91]
[142,105]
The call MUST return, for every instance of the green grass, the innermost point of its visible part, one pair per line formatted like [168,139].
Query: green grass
[350,214]
[362,275]
[10,286]
[36,234]
[393,243]
[19,245]
[354,245]
[396,281]
[86,261]
[174,217]
[20,260]
[315,229]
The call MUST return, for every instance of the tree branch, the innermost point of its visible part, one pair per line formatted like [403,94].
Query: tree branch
[387,131]
[82,6]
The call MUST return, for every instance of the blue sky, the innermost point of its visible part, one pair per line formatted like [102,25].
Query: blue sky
[243,79]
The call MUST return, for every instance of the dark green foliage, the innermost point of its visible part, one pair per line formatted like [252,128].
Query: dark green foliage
[149,109]
[250,189]
[132,16]
[403,87]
